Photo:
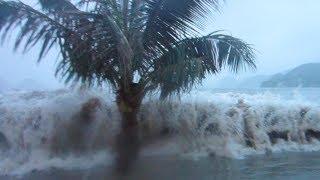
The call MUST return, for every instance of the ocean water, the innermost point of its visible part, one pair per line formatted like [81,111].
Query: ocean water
[284,166]
[217,134]
[298,94]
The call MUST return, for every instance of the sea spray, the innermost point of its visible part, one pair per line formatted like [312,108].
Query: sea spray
[69,129]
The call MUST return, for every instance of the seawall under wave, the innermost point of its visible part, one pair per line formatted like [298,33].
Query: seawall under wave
[69,129]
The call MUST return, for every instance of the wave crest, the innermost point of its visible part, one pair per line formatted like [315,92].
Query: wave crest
[44,129]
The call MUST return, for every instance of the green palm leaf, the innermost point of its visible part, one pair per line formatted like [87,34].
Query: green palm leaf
[188,62]
[168,20]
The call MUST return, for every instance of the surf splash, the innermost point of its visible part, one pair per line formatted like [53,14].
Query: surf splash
[67,129]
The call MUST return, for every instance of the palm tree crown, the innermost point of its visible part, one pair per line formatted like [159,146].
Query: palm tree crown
[151,44]
[136,46]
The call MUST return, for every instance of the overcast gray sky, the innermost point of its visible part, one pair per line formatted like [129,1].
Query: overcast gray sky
[284,32]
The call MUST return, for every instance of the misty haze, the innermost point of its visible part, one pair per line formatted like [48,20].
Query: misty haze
[159,89]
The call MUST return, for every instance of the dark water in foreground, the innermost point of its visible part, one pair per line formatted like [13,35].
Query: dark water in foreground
[291,166]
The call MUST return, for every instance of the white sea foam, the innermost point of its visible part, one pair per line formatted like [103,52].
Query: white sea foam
[36,127]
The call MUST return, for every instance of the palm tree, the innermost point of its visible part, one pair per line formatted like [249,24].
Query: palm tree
[135,46]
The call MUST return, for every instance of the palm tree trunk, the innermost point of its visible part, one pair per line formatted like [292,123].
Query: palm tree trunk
[128,145]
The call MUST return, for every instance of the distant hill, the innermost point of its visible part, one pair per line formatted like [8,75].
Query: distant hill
[306,75]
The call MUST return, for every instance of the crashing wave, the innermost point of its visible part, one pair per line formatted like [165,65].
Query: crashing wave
[67,129]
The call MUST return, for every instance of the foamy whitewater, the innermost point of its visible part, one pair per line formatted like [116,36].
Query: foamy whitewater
[40,130]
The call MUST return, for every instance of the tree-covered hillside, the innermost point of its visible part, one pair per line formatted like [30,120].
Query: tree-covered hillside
[305,75]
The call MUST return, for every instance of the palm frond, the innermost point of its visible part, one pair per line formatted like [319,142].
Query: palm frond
[33,25]
[54,6]
[111,7]
[87,55]
[232,52]
[169,19]
[188,63]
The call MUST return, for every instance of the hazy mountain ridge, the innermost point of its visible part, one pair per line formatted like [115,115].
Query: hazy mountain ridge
[301,76]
